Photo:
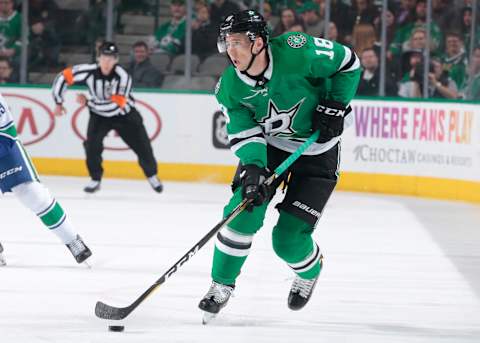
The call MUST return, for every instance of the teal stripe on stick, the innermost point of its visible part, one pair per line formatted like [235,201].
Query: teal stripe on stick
[295,155]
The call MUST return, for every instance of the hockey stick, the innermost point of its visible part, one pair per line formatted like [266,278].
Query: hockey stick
[105,311]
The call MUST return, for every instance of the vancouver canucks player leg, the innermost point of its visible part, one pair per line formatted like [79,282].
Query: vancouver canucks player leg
[18,175]
[276,93]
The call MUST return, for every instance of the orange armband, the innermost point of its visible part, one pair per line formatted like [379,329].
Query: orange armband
[68,75]
[120,100]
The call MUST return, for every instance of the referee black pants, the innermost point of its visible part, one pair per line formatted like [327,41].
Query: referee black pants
[132,131]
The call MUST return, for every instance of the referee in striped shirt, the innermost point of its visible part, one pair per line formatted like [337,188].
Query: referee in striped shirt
[112,107]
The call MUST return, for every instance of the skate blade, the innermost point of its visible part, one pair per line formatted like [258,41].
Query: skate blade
[85,263]
[208,317]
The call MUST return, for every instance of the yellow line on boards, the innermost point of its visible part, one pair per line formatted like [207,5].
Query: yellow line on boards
[429,187]
[131,170]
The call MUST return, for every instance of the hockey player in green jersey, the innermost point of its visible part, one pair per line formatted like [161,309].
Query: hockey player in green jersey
[274,96]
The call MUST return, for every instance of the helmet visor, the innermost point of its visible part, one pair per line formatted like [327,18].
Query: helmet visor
[223,44]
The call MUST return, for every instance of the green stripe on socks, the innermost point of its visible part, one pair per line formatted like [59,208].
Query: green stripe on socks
[312,272]
[226,268]
[53,217]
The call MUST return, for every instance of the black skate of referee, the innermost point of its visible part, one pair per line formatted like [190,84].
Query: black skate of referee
[112,107]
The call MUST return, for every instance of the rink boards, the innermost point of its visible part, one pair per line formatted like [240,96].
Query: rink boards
[401,147]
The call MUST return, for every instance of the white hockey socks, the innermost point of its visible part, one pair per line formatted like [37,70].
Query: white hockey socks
[37,198]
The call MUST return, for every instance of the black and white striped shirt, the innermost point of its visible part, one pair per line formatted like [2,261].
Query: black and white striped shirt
[109,95]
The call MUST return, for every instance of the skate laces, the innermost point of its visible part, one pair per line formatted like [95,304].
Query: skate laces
[77,246]
[303,286]
[219,292]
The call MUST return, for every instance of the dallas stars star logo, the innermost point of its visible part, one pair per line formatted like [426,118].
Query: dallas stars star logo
[279,122]
[296,41]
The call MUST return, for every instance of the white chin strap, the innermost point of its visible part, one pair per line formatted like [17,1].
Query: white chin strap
[253,58]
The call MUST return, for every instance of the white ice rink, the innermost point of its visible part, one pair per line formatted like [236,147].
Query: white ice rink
[396,269]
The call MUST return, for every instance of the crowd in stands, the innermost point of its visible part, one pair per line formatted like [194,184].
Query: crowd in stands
[452,74]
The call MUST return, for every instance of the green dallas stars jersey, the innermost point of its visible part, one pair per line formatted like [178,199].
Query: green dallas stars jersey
[171,37]
[303,71]
[472,90]
[11,31]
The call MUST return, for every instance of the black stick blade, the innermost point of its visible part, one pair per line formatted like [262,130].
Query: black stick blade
[105,311]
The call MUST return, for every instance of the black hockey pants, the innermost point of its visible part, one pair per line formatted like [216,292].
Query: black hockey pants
[132,131]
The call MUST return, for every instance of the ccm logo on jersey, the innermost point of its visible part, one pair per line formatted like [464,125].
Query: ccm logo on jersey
[10,172]
[307,209]
[336,112]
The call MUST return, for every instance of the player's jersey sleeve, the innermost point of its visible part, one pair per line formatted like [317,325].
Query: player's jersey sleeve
[246,136]
[70,76]
[8,132]
[7,126]
[124,88]
[334,61]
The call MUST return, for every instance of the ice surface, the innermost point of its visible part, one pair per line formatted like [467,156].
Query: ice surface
[396,269]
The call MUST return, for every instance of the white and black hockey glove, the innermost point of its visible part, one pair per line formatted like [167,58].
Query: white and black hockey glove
[252,178]
[328,118]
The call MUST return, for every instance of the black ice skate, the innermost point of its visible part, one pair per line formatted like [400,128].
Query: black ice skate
[79,250]
[300,292]
[215,299]
[92,187]
[2,259]
[156,184]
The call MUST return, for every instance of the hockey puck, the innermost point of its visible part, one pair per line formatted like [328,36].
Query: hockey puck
[116,328]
